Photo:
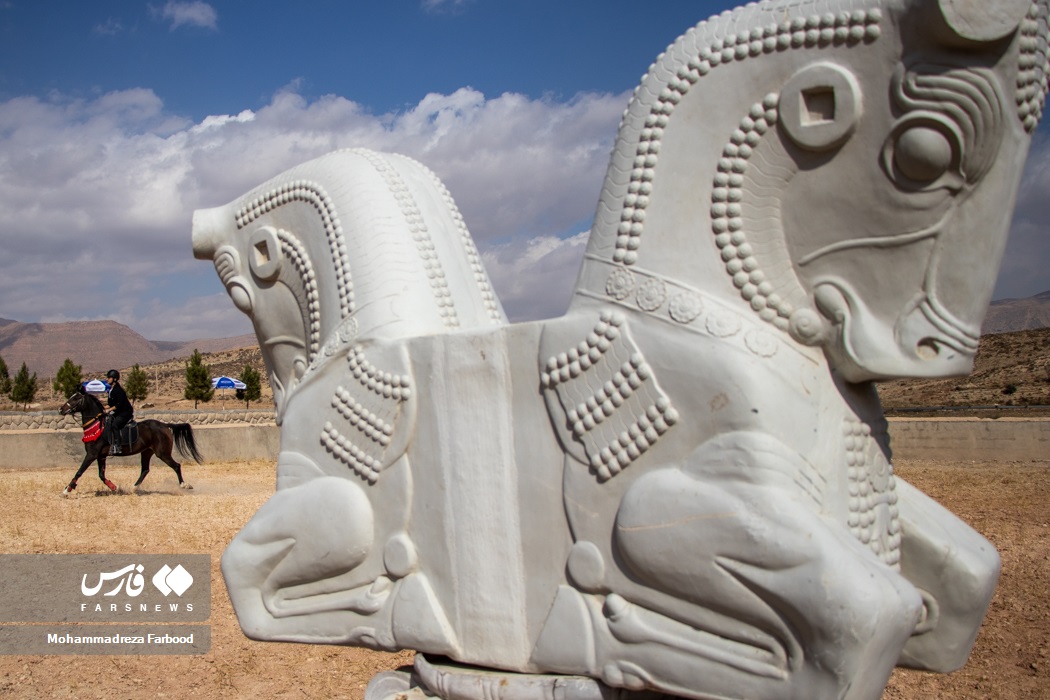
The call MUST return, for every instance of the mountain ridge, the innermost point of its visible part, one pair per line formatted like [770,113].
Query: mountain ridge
[1009,315]
[95,345]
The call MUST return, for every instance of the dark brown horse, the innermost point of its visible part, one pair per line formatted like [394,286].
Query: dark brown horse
[154,438]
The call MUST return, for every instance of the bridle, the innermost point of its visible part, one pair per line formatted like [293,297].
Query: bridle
[75,404]
[68,408]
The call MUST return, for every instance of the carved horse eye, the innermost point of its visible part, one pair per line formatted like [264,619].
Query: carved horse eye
[923,154]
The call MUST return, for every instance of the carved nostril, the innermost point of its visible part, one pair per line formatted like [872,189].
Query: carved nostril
[928,349]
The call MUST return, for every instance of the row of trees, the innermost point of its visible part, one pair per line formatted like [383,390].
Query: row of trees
[22,389]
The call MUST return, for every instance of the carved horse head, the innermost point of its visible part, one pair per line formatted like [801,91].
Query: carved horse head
[306,256]
[845,171]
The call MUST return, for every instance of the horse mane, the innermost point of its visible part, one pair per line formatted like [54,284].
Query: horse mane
[97,404]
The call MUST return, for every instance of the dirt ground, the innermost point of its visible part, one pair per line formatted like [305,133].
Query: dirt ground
[1007,502]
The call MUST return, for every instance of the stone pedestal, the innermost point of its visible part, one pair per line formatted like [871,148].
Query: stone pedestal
[442,678]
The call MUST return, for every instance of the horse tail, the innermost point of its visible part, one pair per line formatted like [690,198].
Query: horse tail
[184,441]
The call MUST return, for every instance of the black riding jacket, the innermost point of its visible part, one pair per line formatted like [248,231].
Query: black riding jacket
[118,399]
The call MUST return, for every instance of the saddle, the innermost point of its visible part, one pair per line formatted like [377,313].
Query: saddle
[128,434]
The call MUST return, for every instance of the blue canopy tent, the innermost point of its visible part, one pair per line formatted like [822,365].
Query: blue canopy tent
[225,383]
[96,386]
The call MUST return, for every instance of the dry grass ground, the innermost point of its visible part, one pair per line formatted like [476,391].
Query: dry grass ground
[163,519]
[1007,502]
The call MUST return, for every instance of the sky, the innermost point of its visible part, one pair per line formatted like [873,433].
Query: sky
[119,118]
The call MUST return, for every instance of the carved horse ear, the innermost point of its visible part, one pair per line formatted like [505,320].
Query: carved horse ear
[982,20]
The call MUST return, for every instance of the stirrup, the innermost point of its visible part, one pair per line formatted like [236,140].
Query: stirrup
[114,449]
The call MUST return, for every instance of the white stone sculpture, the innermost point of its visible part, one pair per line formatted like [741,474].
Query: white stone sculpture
[684,484]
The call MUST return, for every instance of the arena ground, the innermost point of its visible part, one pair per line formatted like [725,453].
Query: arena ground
[1005,501]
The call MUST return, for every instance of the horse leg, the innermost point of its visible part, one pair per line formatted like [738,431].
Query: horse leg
[88,459]
[146,455]
[176,467]
[102,473]
[165,456]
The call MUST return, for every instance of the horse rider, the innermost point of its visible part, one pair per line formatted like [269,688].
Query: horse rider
[120,409]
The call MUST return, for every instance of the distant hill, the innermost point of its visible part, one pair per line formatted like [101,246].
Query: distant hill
[94,345]
[1011,369]
[1006,315]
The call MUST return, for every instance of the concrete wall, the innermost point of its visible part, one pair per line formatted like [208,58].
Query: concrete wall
[951,439]
[47,439]
[64,448]
[971,439]
[51,420]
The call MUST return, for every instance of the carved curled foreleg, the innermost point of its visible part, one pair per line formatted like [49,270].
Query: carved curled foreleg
[296,563]
[957,570]
[732,532]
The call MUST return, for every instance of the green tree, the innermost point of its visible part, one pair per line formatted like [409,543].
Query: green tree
[5,379]
[67,379]
[137,384]
[198,380]
[23,388]
[252,390]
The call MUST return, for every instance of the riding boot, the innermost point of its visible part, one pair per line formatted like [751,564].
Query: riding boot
[114,440]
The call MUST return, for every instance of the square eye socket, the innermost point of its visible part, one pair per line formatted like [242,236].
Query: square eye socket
[264,253]
[820,106]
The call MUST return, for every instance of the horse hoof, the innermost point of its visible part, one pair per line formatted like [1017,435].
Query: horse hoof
[185,486]
[68,491]
[111,485]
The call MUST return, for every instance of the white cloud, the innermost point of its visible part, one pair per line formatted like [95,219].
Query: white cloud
[218,120]
[1027,257]
[194,14]
[98,194]
[111,27]
[443,5]
[211,316]
[534,277]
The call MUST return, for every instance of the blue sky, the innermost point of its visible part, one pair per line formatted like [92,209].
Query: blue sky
[118,118]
